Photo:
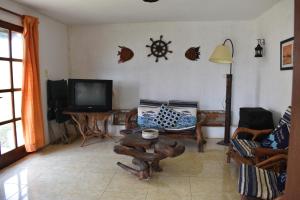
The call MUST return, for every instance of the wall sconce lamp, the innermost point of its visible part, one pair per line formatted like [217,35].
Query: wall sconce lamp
[259,50]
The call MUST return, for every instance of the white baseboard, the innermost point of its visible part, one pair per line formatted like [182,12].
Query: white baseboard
[216,132]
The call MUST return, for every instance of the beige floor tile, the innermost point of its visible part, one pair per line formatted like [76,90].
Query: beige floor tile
[37,194]
[125,182]
[21,176]
[61,176]
[216,196]
[108,195]
[107,164]
[166,195]
[212,185]
[51,188]
[89,182]
[185,165]
[179,186]
[7,190]
[70,172]
[81,197]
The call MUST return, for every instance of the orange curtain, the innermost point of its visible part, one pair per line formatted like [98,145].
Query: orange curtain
[32,114]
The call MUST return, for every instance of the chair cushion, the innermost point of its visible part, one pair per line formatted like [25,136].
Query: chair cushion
[243,147]
[188,114]
[286,118]
[281,180]
[167,117]
[278,139]
[147,112]
[257,183]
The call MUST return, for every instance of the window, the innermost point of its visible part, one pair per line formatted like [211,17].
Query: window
[11,70]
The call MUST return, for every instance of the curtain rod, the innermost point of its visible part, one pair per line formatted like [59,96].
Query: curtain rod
[11,12]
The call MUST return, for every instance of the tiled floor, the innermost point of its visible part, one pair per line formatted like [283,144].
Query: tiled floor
[69,172]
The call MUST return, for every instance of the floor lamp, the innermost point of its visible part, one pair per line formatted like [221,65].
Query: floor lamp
[223,55]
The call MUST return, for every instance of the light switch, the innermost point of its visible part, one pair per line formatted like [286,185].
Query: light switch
[46,73]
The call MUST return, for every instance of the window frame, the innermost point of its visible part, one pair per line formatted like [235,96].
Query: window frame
[18,152]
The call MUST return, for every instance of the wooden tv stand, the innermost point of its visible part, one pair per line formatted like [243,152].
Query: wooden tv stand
[87,125]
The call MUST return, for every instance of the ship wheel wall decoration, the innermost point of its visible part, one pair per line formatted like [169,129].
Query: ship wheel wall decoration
[159,48]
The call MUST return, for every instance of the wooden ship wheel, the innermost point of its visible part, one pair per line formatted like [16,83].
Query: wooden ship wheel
[159,48]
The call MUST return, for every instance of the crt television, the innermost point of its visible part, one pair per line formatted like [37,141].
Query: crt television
[88,95]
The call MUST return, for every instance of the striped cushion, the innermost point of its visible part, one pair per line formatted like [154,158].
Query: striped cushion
[286,118]
[257,183]
[243,147]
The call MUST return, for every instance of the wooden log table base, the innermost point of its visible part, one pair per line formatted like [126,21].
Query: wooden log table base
[146,162]
[87,124]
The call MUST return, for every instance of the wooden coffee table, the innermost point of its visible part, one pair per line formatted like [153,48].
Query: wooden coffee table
[147,162]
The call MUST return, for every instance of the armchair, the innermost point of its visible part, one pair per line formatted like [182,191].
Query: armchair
[251,151]
[266,180]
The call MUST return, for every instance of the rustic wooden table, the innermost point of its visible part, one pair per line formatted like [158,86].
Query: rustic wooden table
[134,145]
[87,124]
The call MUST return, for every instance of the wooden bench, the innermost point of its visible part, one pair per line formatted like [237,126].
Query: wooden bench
[196,134]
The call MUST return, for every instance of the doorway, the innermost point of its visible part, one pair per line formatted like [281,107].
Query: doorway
[11,68]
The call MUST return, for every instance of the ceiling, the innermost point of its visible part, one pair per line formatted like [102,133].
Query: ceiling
[121,11]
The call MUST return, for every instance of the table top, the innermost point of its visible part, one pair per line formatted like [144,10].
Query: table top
[136,140]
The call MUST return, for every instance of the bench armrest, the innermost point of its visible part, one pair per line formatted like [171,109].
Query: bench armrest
[254,133]
[130,120]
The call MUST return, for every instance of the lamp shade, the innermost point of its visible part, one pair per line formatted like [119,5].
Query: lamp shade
[221,55]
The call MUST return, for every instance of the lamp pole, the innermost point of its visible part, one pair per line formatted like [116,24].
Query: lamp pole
[228,101]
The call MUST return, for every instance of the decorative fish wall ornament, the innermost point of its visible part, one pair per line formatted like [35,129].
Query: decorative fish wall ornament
[193,53]
[125,54]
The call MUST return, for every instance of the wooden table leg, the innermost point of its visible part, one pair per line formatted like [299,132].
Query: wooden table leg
[80,126]
[142,173]
[155,166]
[105,126]
[140,159]
[83,141]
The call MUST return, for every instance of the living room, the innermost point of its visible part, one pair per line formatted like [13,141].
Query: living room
[114,42]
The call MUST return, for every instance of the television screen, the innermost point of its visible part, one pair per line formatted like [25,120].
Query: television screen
[90,94]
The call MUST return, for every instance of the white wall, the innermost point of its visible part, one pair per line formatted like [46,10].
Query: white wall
[93,53]
[275,86]
[256,82]
[53,47]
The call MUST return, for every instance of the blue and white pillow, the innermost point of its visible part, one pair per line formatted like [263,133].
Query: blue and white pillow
[147,112]
[278,139]
[188,114]
[167,117]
